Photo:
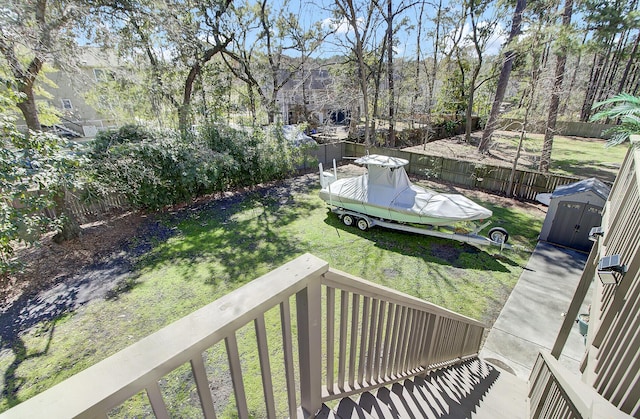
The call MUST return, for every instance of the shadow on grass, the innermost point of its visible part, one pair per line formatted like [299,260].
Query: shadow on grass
[236,234]
[587,169]
[430,249]
[12,382]
[70,293]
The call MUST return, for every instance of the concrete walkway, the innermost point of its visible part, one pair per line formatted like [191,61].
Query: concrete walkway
[531,318]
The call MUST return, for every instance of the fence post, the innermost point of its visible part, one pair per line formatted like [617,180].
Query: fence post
[309,347]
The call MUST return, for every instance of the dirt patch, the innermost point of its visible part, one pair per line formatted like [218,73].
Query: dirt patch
[49,263]
[500,154]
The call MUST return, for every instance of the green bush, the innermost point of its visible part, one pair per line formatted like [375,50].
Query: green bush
[158,168]
[126,134]
[35,172]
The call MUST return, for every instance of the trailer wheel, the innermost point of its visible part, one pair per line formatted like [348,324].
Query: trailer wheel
[363,224]
[347,220]
[498,235]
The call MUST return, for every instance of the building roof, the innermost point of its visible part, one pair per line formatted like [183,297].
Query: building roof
[591,184]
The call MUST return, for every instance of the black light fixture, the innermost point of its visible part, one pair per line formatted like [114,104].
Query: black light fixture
[596,232]
[610,270]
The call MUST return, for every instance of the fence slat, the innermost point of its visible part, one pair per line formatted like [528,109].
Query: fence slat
[379,344]
[355,311]
[364,334]
[342,355]
[157,403]
[287,347]
[331,319]
[202,384]
[236,376]
[265,365]
[371,355]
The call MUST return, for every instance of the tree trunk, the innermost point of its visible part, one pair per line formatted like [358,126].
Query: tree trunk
[365,96]
[565,104]
[414,97]
[594,87]
[503,80]
[431,76]
[184,110]
[561,61]
[29,109]
[589,94]
[530,94]
[70,226]
[392,105]
[252,104]
[627,68]
[474,77]
[469,111]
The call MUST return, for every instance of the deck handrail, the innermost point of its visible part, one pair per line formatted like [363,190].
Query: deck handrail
[413,337]
[556,392]
[376,352]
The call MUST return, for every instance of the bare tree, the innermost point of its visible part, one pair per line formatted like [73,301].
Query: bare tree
[561,60]
[481,32]
[192,35]
[259,53]
[360,19]
[503,80]
[390,15]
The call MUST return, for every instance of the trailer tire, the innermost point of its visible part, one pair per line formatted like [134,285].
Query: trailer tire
[498,235]
[363,224]
[348,220]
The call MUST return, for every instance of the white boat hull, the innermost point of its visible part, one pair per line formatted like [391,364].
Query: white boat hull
[386,192]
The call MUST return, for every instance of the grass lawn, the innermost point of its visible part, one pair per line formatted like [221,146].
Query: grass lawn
[585,157]
[218,246]
[582,157]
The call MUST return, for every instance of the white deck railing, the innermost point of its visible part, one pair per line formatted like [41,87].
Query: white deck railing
[373,335]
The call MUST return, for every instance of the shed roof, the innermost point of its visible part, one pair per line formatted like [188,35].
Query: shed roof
[591,184]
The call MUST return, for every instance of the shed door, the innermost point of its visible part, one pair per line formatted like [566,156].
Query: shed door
[572,223]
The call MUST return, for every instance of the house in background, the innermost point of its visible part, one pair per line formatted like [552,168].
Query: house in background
[77,117]
[311,96]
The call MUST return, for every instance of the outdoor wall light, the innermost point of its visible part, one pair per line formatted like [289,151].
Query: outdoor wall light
[596,232]
[610,270]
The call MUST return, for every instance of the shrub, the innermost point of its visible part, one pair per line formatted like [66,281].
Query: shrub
[157,168]
[35,172]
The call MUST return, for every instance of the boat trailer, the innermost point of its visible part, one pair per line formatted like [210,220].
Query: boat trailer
[497,236]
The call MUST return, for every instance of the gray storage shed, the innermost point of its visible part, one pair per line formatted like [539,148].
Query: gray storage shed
[573,210]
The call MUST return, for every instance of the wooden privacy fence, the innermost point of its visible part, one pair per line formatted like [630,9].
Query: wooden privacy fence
[91,209]
[372,336]
[85,210]
[526,184]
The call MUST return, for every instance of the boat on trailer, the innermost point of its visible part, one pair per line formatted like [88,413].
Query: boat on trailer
[385,196]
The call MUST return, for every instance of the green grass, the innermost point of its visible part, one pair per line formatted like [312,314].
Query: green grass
[572,156]
[220,246]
